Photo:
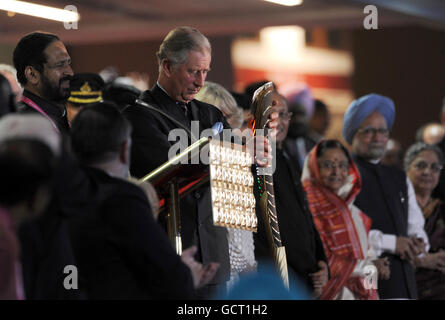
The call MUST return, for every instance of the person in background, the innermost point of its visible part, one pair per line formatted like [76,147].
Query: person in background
[121,252]
[387,195]
[243,102]
[306,260]
[11,74]
[215,94]
[26,175]
[423,164]
[241,246]
[28,151]
[430,133]
[120,94]
[297,143]
[44,70]
[393,156]
[85,89]
[7,102]
[332,182]
[319,122]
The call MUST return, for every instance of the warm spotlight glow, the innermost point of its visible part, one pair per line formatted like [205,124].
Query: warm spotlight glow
[38,10]
[285,42]
[286,2]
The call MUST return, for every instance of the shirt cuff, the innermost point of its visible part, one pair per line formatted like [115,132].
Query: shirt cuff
[389,243]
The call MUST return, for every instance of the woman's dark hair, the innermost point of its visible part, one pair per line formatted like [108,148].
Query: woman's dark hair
[7,97]
[30,52]
[26,165]
[332,144]
[98,131]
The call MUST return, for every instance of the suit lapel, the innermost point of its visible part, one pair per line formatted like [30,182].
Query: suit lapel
[169,106]
[388,193]
[395,202]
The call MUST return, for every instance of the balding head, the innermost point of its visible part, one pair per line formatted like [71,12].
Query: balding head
[433,133]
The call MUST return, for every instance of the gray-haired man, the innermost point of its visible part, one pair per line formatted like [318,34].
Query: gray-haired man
[184,60]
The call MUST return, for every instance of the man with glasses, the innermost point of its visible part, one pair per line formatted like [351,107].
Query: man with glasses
[387,195]
[305,255]
[184,59]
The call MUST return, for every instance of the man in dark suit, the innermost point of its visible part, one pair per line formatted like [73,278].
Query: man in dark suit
[44,70]
[387,195]
[184,61]
[121,252]
[182,73]
[306,260]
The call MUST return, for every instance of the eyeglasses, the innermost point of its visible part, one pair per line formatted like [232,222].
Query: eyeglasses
[329,165]
[285,115]
[368,132]
[422,165]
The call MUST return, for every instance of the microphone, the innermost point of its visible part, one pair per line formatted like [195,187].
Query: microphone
[217,128]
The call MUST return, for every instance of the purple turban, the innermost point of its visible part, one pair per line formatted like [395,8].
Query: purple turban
[361,108]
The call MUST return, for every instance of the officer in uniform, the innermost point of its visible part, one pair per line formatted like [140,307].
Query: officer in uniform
[85,89]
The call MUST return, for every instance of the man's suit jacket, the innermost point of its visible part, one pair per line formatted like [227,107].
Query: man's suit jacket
[150,150]
[299,235]
[121,252]
[384,198]
[57,113]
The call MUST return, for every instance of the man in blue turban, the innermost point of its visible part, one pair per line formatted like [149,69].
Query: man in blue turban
[361,108]
[387,195]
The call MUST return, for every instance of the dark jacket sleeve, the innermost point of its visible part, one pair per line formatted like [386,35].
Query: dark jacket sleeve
[150,143]
[147,249]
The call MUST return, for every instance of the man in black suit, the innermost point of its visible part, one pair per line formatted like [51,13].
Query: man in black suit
[306,260]
[44,70]
[184,61]
[121,252]
[387,195]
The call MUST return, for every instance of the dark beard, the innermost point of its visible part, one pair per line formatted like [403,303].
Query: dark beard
[54,93]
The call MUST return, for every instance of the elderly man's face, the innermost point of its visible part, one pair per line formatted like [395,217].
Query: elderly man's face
[283,119]
[57,72]
[187,79]
[371,138]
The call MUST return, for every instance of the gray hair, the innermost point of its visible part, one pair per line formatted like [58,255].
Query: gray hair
[218,96]
[30,126]
[415,149]
[179,42]
[7,68]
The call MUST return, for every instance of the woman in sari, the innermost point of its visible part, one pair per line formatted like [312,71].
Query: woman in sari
[332,181]
[423,164]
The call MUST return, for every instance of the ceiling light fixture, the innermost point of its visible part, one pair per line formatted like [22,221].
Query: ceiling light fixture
[286,2]
[38,10]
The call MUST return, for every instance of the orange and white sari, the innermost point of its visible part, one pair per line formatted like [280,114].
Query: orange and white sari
[343,229]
